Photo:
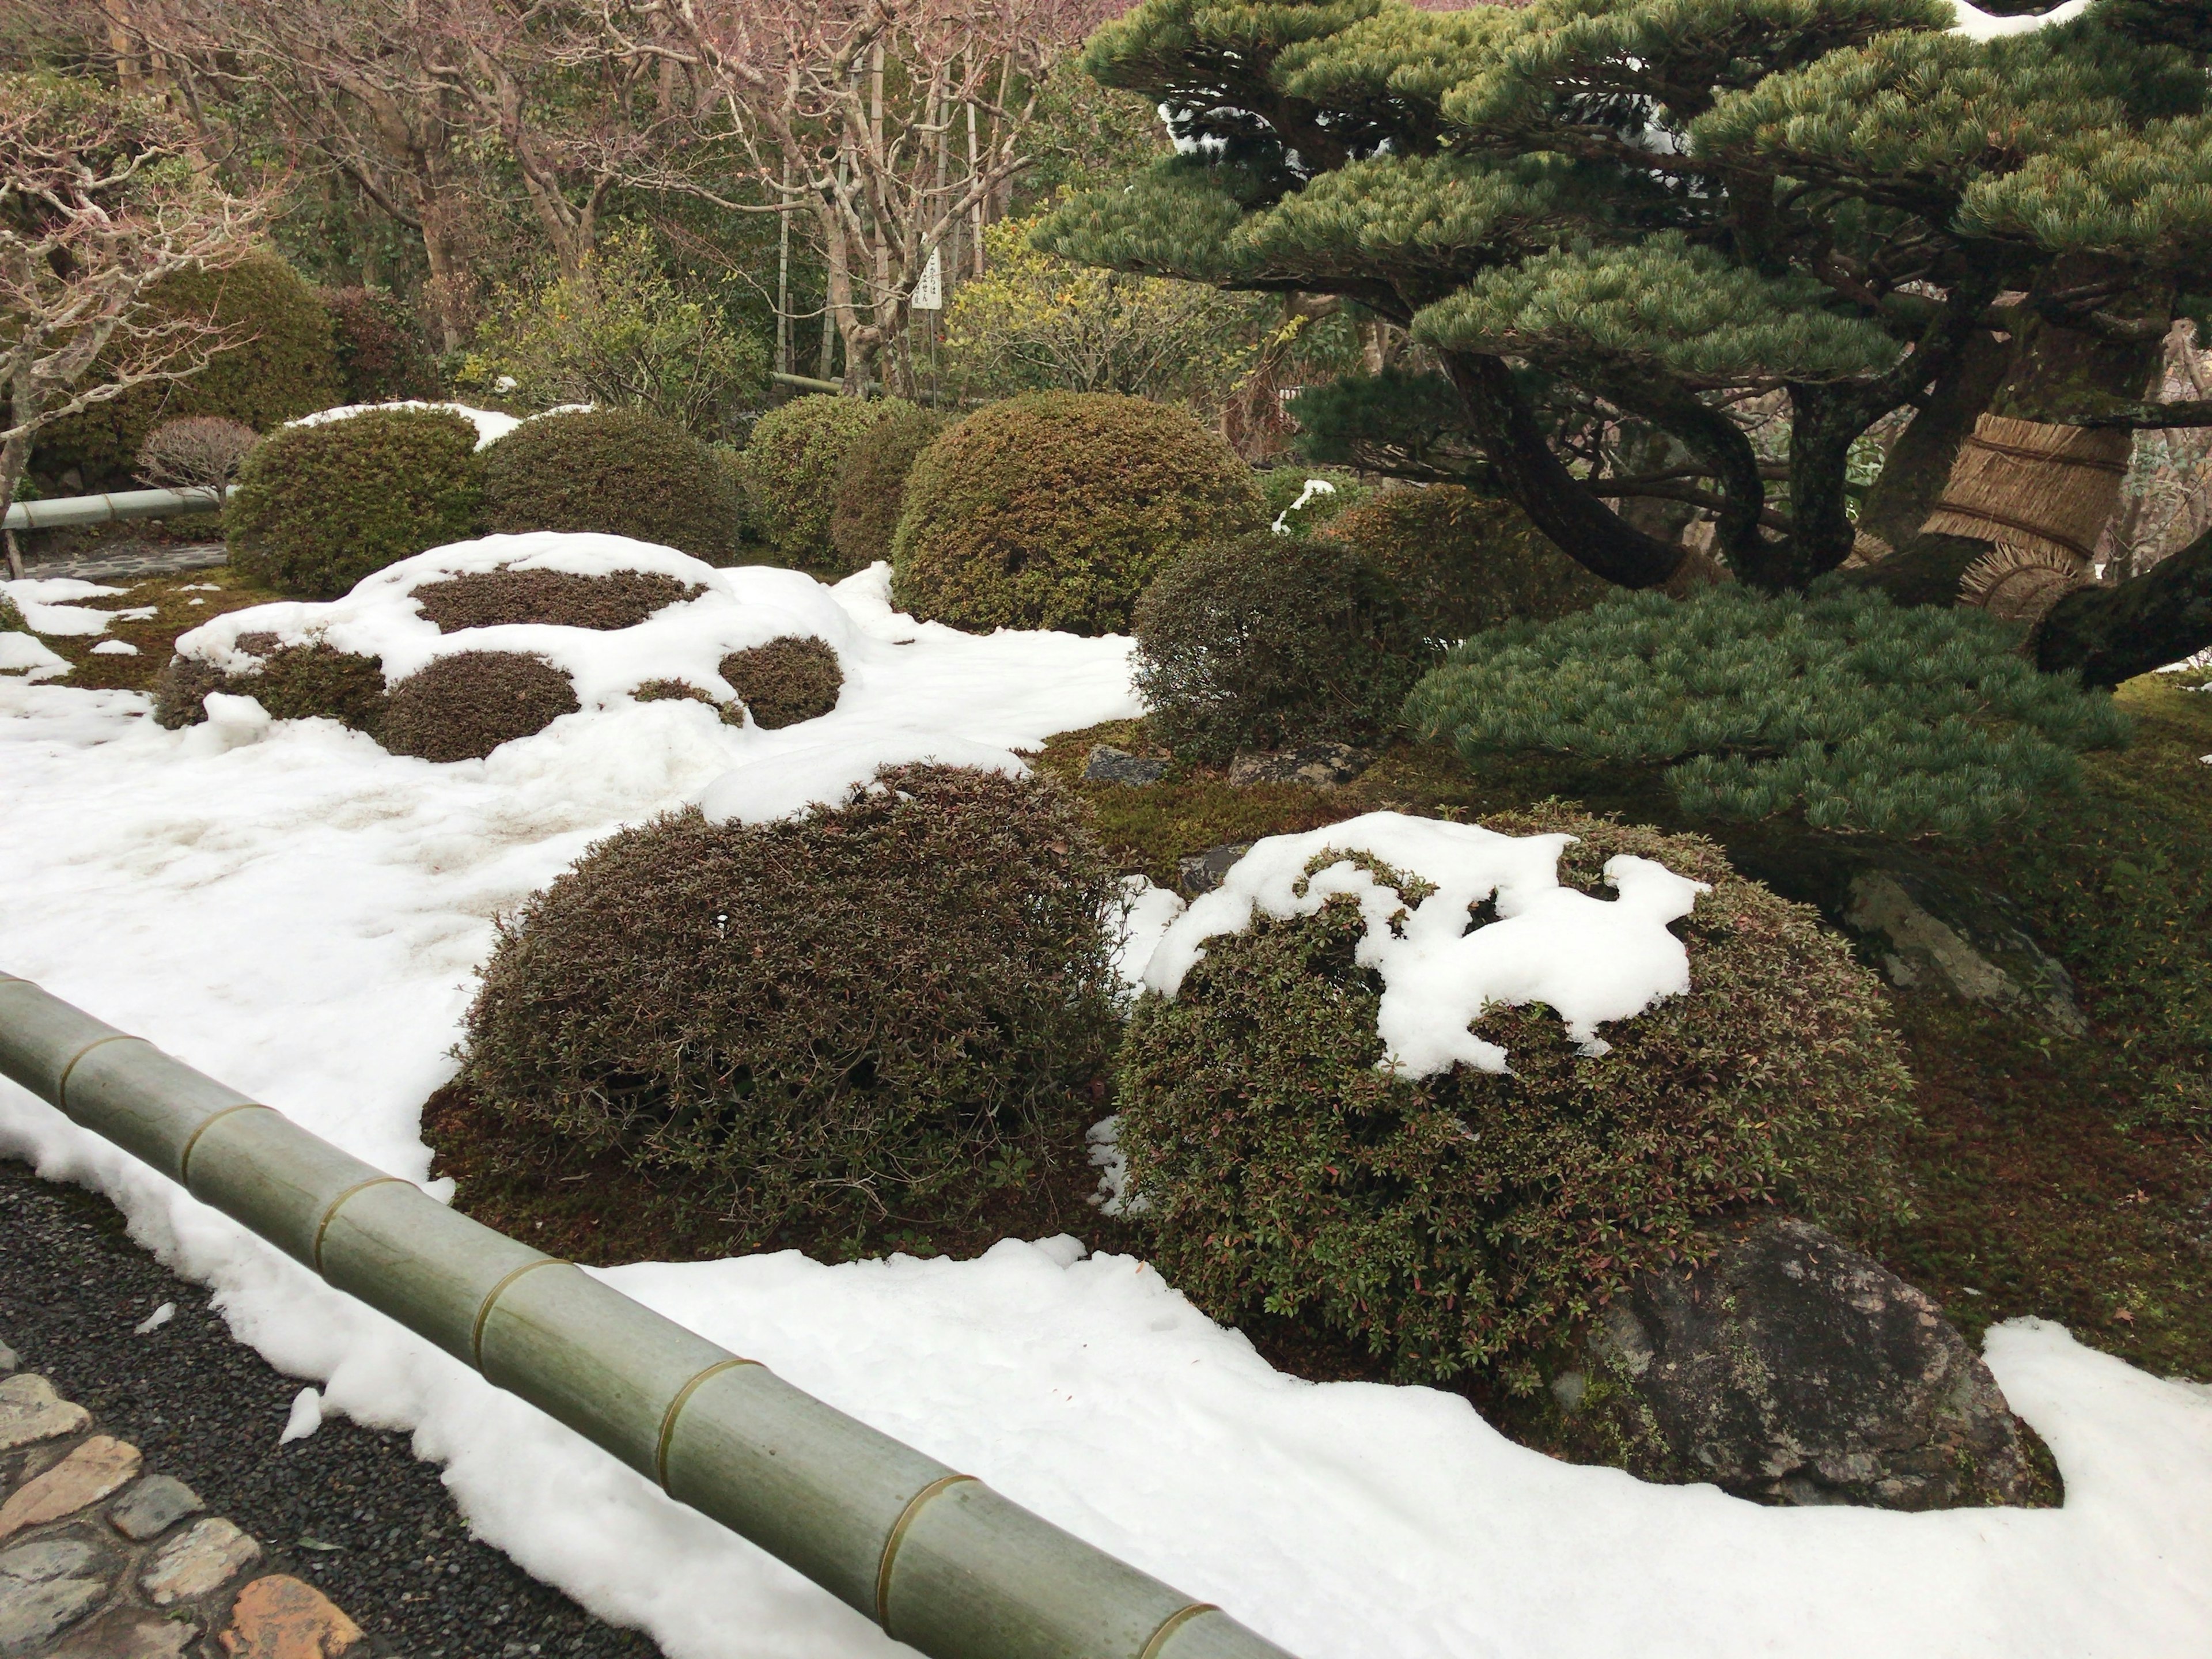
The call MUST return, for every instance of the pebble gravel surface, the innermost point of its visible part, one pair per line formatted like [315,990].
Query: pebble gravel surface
[350,1509]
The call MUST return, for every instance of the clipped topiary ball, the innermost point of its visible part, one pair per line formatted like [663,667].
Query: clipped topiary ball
[381,353]
[1465,562]
[794,678]
[561,598]
[1056,510]
[1300,500]
[793,464]
[1269,642]
[464,706]
[841,1013]
[1460,1220]
[318,507]
[871,491]
[619,471]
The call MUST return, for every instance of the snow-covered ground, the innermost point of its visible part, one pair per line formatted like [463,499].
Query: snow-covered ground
[295,911]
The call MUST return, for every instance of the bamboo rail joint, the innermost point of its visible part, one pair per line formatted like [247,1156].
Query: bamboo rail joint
[936,1558]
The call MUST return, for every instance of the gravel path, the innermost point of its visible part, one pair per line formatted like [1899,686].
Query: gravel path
[132,562]
[208,1411]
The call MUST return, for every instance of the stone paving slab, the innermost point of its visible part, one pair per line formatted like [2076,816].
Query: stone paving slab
[132,564]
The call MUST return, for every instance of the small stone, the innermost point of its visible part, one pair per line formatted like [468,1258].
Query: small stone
[128,1634]
[31,1615]
[1109,765]
[7,1360]
[47,1560]
[1319,765]
[282,1618]
[30,1410]
[88,1475]
[196,1562]
[1201,872]
[154,1505]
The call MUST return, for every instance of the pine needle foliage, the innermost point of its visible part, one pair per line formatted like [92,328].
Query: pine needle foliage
[1861,716]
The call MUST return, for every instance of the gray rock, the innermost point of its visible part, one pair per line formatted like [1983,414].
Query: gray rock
[196,1561]
[1933,931]
[1201,872]
[154,1505]
[128,1634]
[1793,1369]
[7,1360]
[30,1410]
[42,1562]
[1109,765]
[1322,765]
[31,1615]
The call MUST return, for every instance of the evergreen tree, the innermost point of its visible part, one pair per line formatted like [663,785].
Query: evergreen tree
[1657,210]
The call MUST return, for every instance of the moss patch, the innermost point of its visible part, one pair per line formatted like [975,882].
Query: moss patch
[180,603]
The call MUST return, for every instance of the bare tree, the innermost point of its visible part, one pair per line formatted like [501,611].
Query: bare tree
[888,124]
[100,199]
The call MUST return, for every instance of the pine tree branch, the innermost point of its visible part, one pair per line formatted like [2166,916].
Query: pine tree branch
[2141,418]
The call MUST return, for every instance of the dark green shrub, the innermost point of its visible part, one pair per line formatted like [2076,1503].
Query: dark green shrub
[1465,562]
[1268,641]
[620,472]
[1861,715]
[315,681]
[1283,488]
[286,369]
[1460,1221]
[792,465]
[11,617]
[561,598]
[318,507]
[1056,510]
[844,1012]
[871,491]
[464,706]
[787,680]
[381,353]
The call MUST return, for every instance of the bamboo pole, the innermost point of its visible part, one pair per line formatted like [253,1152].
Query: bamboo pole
[934,1557]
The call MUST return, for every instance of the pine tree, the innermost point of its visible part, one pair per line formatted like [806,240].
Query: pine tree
[1659,209]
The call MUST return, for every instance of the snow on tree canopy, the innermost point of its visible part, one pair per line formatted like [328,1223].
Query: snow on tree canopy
[1590,959]
[491,424]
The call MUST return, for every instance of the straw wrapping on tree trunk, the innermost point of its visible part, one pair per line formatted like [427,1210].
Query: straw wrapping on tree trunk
[2039,488]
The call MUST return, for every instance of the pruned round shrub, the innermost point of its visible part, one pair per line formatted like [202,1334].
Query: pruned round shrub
[382,356]
[1300,500]
[1460,1221]
[1465,562]
[1861,715]
[282,367]
[199,451]
[794,678]
[315,681]
[1268,641]
[318,507]
[619,471]
[871,490]
[845,1013]
[464,706]
[562,599]
[1056,510]
[792,464]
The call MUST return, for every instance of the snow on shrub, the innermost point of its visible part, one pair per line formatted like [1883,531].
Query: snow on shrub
[792,465]
[603,618]
[1056,510]
[318,507]
[843,1012]
[1861,715]
[1342,1104]
[620,472]
[786,681]
[1267,642]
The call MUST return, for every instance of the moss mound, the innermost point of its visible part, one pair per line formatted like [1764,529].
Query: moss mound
[1270,641]
[318,507]
[871,491]
[851,1012]
[794,464]
[562,599]
[464,706]
[284,368]
[619,471]
[1461,1221]
[1056,510]
[794,678]
[1464,562]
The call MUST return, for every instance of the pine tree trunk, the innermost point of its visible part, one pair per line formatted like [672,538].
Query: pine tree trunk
[1919,463]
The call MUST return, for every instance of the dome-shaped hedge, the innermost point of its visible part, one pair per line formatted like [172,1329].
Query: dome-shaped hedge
[619,471]
[792,466]
[792,678]
[464,706]
[285,367]
[1460,1220]
[382,356]
[318,507]
[839,1013]
[871,493]
[1056,510]
[1465,562]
